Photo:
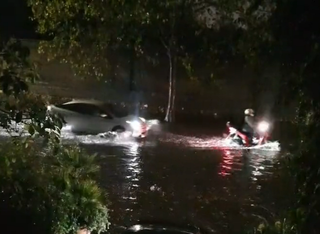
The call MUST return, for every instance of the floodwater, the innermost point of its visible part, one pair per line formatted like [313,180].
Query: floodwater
[185,175]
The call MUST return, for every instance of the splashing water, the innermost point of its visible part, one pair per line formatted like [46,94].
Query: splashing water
[171,138]
[214,142]
[105,138]
[269,146]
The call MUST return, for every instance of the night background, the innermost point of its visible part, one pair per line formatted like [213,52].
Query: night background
[16,20]
[114,113]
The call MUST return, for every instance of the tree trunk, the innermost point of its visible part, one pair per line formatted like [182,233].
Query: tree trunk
[170,113]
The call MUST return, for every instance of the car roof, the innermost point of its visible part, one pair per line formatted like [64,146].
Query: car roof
[107,106]
[92,102]
[103,105]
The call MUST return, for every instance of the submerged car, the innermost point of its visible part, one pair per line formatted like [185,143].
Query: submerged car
[94,117]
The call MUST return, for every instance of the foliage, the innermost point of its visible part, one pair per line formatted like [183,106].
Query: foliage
[302,71]
[17,103]
[54,184]
[61,183]
[84,34]
[278,228]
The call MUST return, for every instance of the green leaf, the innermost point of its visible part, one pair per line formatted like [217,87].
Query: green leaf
[31,130]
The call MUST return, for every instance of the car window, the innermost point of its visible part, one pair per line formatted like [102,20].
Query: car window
[86,109]
[72,107]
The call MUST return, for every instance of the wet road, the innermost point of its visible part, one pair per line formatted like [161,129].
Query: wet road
[186,176]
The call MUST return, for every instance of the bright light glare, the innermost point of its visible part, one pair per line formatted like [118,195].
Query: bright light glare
[137,228]
[263,126]
[134,124]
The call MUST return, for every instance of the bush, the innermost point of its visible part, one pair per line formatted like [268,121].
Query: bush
[279,227]
[57,188]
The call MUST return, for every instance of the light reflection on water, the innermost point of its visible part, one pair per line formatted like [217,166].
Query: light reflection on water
[227,163]
[178,177]
[132,172]
[235,160]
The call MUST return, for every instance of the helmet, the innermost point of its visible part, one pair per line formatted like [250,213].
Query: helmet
[249,112]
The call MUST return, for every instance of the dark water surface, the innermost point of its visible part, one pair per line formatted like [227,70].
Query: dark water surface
[182,175]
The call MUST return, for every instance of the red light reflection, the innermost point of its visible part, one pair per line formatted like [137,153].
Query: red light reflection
[226,164]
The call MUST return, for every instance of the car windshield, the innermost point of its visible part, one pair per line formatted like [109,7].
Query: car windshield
[84,108]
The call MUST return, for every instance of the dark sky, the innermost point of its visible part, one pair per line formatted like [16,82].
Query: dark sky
[15,19]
